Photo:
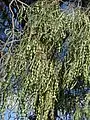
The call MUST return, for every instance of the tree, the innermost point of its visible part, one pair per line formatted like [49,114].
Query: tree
[34,70]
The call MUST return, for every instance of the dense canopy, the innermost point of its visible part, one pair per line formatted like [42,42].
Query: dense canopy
[51,58]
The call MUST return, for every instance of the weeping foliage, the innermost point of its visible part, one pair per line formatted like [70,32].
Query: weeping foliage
[35,74]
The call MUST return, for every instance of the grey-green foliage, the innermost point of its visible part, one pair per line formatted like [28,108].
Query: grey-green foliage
[38,75]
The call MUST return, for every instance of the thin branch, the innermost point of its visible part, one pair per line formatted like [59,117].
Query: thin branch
[12,18]
[23,3]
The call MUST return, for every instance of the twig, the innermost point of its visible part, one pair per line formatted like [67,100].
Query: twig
[12,18]
[23,3]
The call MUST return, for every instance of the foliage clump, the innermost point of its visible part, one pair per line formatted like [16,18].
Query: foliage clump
[34,73]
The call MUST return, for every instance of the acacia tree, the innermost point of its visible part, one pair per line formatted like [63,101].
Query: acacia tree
[36,73]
